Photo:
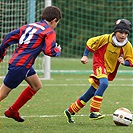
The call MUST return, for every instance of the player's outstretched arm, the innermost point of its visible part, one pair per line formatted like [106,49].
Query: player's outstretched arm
[84,59]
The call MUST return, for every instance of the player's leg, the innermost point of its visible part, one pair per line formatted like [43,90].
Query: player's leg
[79,104]
[34,85]
[4,91]
[97,100]
[28,92]
[24,97]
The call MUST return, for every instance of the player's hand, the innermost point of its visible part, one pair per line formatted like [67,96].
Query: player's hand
[84,59]
[121,60]
[58,46]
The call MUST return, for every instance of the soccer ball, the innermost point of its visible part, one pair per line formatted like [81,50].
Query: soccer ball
[122,117]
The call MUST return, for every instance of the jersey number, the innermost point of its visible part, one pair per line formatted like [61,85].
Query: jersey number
[25,38]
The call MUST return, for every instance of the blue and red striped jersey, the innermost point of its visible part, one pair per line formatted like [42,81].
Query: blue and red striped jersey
[31,39]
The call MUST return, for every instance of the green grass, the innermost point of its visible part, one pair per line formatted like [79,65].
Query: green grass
[44,113]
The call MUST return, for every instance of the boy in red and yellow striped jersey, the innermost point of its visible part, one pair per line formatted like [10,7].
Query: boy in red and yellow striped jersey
[109,51]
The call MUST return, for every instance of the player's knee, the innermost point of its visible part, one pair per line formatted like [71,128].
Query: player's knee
[37,87]
[104,82]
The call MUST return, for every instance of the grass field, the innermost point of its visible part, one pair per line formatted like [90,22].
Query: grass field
[44,113]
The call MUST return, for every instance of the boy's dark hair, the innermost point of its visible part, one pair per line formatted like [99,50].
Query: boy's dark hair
[50,13]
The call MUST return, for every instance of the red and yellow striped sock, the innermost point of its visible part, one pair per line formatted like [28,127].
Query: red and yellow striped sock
[75,107]
[96,104]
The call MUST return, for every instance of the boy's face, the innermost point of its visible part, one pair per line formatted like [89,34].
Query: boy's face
[121,36]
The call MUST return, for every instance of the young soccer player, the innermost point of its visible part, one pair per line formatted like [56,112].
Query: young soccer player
[109,51]
[32,39]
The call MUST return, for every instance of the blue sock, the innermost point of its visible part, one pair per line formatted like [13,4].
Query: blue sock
[102,87]
[88,94]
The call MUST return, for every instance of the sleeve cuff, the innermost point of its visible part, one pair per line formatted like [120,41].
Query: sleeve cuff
[86,52]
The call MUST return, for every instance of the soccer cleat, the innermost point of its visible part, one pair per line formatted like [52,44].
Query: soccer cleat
[10,113]
[96,116]
[68,115]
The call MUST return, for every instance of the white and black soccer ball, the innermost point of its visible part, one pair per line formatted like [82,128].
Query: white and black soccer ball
[122,117]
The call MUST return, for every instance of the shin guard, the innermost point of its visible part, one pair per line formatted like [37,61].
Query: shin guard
[75,107]
[96,104]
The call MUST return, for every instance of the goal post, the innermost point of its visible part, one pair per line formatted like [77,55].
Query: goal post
[30,19]
[47,59]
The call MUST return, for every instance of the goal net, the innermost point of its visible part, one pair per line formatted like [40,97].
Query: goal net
[81,20]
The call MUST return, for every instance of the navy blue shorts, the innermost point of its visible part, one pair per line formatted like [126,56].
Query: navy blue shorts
[16,74]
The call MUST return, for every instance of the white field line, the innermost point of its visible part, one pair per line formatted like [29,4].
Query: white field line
[70,79]
[79,85]
[52,116]
[86,71]
[116,79]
